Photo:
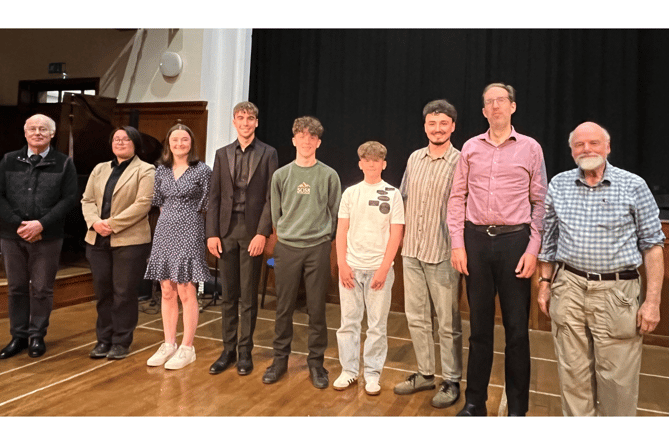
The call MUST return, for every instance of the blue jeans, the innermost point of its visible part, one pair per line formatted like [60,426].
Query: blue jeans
[353,303]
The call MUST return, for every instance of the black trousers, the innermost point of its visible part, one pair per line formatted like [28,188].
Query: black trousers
[31,272]
[491,262]
[117,273]
[240,275]
[290,265]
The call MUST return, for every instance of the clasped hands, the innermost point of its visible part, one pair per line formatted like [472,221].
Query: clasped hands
[30,231]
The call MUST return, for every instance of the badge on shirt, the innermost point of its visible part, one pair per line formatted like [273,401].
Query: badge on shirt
[304,189]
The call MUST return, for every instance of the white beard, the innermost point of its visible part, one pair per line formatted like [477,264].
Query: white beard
[589,163]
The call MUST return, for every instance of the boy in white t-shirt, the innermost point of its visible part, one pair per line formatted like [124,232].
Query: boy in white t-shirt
[369,231]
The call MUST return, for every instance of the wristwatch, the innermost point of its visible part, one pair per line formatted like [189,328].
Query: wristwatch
[547,280]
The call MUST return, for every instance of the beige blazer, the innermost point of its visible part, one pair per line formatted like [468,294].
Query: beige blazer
[130,203]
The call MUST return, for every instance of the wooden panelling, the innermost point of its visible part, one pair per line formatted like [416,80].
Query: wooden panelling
[538,320]
[156,118]
[73,286]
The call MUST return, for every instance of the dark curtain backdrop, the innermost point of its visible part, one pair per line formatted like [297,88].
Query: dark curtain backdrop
[372,85]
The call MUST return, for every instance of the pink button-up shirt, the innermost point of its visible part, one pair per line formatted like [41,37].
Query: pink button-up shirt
[501,185]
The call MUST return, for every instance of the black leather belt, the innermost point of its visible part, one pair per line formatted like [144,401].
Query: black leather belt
[495,230]
[593,276]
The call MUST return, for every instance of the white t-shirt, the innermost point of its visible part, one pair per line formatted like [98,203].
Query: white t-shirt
[370,209]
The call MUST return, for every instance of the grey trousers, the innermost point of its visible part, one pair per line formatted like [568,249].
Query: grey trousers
[440,283]
[31,272]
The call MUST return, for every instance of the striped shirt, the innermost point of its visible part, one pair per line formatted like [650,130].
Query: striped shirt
[602,228]
[425,187]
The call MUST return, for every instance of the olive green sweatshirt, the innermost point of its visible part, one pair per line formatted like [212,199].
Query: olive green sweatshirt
[305,203]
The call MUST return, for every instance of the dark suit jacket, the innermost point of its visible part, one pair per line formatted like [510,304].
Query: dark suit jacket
[264,161]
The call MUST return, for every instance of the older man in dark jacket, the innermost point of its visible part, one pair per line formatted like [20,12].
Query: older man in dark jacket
[38,186]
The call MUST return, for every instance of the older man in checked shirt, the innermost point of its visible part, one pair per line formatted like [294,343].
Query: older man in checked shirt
[601,223]
[495,216]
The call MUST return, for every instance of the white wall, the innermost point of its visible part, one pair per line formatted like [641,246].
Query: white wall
[226,67]
[216,69]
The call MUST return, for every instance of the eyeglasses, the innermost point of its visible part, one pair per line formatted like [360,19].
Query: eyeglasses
[499,100]
[40,130]
[120,140]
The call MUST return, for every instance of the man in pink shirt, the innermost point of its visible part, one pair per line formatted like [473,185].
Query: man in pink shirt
[495,214]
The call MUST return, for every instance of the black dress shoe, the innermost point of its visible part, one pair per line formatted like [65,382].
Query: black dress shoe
[14,347]
[36,347]
[319,377]
[100,350]
[274,372]
[245,363]
[226,359]
[117,352]
[472,410]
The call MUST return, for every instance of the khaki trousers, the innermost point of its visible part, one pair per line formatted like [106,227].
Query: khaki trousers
[437,282]
[597,344]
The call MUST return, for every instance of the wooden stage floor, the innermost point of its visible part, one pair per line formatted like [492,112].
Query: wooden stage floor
[66,382]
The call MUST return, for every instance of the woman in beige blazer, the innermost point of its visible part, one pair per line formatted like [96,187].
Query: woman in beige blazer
[115,205]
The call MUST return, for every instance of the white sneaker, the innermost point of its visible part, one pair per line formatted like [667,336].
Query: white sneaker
[164,353]
[344,381]
[372,387]
[185,355]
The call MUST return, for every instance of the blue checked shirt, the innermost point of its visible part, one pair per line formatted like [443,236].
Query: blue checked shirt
[602,228]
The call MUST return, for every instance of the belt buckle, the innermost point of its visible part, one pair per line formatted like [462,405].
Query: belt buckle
[593,274]
[487,230]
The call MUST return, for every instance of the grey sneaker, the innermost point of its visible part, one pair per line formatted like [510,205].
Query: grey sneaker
[448,394]
[416,382]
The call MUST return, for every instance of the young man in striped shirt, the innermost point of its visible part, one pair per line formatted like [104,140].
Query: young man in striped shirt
[428,274]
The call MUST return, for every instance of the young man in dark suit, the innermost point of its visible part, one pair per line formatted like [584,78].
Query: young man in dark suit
[238,224]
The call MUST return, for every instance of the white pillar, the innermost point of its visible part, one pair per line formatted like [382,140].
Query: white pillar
[226,68]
